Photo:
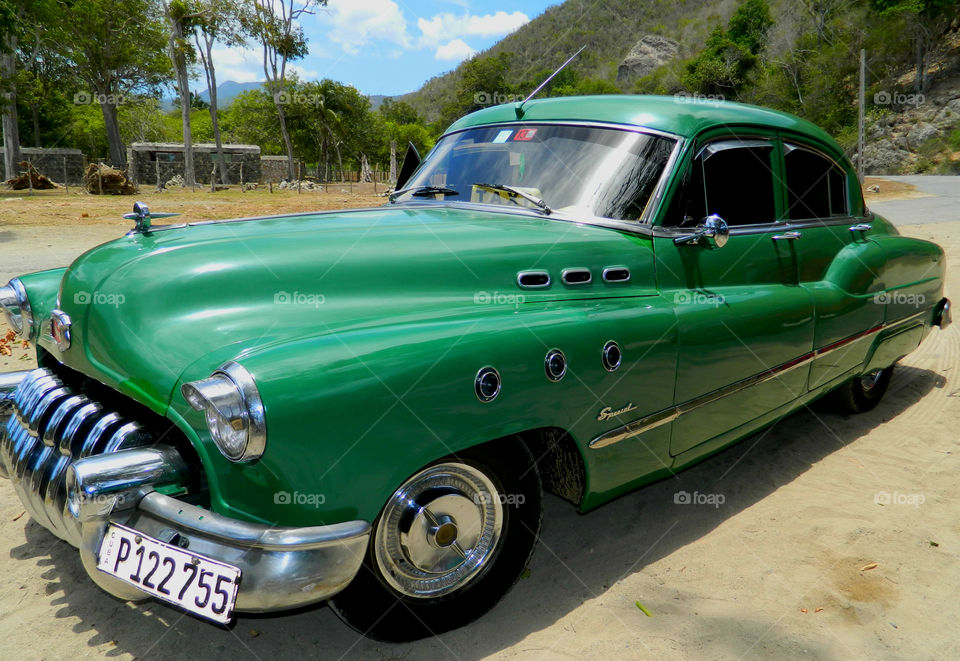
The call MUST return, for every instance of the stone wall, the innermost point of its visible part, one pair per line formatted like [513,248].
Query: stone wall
[146,160]
[273,168]
[51,162]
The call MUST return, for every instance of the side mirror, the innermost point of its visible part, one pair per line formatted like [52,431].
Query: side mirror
[411,161]
[713,231]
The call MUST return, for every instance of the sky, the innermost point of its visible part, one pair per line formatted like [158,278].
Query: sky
[389,46]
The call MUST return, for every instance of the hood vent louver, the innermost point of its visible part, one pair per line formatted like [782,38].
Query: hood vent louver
[533,279]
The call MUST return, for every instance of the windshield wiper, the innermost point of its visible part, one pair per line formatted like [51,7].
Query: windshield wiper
[423,191]
[516,192]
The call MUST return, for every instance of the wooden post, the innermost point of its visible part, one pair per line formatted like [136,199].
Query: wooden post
[393,161]
[159,185]
[298,177]
[30,176]
[100,177]
[66,185]
[860,140]
[242,188]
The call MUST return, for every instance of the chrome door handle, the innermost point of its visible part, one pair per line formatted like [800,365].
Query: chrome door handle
[861,227]
[787,236]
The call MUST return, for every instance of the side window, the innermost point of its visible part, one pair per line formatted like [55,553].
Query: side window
[738,181]
[816,186]
[730,178]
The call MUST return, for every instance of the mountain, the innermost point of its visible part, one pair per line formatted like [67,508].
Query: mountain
[228,90]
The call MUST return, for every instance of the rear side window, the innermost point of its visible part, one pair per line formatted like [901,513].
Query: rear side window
[816,186]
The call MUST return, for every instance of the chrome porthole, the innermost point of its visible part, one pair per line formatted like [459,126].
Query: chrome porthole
[439,530]
[555,365]
[612,356]
[487,384]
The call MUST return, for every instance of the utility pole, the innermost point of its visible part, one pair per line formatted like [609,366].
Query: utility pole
[863,94]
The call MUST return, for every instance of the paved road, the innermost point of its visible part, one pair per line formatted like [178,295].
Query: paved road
[943,205]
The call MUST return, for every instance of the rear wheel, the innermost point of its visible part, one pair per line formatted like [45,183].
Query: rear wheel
[862,393]
[449,543]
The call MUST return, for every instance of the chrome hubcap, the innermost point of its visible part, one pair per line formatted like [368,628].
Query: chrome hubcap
[439,530]
[870,380]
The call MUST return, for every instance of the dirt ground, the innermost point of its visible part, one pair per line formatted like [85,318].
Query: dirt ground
[780,569]
[887,189]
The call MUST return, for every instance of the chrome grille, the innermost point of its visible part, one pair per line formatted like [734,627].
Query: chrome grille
[52,426]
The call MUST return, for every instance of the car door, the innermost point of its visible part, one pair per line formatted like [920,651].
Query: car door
[744,322]
[818,194]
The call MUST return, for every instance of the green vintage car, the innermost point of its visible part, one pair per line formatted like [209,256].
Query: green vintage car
[578,295]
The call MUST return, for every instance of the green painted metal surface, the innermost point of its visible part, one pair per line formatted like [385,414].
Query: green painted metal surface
[364,330]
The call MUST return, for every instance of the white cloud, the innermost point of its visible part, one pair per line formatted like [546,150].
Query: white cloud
[303,74]
[448,27]
[356,23]
[456,50]
[242,65]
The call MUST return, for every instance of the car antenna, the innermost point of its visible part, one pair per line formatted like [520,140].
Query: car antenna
[519,106]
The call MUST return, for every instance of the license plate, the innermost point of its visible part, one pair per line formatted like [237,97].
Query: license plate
[201,585]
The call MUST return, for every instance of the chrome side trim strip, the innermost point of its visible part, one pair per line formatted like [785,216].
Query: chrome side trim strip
[654,420]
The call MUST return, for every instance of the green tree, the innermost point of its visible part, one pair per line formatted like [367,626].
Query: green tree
[94,36]
[399,112]
[275,24]
[731,56]
[224,22]
[927,20]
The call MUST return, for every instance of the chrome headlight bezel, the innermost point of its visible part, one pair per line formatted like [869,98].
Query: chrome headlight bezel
[16,308]
[233,411]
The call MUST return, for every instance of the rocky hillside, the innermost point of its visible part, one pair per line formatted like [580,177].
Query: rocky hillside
[917,134]
[610,30]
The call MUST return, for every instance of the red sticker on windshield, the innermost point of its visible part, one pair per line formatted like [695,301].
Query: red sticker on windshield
[525,134]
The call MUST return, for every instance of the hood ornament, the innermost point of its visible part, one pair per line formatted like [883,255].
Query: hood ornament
[142,217]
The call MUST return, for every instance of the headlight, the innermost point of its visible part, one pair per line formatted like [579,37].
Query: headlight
[16,307]
[233,411]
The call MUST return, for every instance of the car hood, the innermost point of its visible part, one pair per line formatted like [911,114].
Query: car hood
[147,306]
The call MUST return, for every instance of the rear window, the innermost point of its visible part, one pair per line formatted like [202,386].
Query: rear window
[816,186]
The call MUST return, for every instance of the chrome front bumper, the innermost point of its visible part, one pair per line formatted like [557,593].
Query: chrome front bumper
[77,467]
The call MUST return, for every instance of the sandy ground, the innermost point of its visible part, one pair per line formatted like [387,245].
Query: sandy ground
[775,571]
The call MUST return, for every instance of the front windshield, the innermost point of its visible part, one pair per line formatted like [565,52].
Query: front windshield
[574,170]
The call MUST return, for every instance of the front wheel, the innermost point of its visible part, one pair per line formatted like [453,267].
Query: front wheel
[862,393]
[449,543]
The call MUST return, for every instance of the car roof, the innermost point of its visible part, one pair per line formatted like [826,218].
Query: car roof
[680,115]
